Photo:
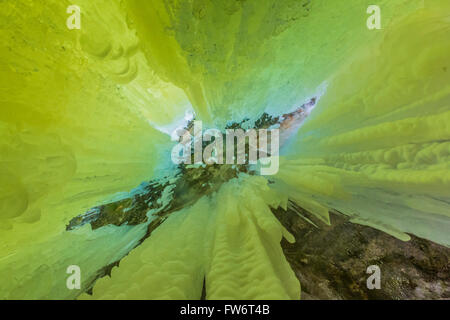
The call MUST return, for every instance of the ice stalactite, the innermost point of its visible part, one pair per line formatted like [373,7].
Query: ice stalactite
[232,240]
[377,145]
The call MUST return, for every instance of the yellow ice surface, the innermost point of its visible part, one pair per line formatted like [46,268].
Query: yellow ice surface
[377,145]
[237,59]
[77,109]
[75,115]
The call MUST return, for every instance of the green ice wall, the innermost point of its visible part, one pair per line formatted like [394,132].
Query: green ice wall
[79,110]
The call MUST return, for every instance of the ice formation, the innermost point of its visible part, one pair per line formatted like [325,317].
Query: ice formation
[80,112]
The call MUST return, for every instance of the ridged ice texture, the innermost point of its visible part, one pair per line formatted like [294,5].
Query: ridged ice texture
[232,240]
[377,146]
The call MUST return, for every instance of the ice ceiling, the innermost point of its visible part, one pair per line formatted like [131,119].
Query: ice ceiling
[82,110]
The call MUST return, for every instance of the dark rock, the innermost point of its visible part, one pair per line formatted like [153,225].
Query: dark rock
[331,261]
